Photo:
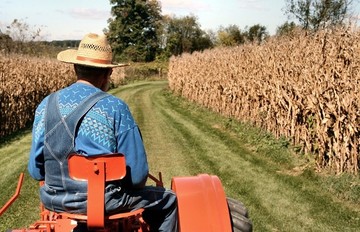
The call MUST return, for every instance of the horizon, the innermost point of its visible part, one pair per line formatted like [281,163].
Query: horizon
[71,20]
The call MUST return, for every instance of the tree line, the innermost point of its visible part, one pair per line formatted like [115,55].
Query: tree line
[139,32]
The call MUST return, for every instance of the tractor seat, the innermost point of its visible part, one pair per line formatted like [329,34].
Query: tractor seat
[97,170]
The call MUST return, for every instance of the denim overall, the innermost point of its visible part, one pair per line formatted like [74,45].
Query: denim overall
[61,193]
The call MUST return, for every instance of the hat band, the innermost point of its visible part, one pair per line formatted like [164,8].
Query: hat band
[97,61]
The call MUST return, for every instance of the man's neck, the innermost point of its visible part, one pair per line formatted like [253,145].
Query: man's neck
[85,82]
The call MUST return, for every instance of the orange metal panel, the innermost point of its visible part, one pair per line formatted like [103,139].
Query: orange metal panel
[96,170]
[96,186]
[202,204]
[115,166]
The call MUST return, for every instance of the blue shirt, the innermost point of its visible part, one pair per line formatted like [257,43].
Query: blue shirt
[108,127]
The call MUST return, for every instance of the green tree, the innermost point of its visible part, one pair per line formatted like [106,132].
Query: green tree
[230,36]
[256,33]
[133,29]
[5,42]
[183,34]
[318,14]
[286,29]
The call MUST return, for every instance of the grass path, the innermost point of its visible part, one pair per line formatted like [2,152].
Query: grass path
[182,139]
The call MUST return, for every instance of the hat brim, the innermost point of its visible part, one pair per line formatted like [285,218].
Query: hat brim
[69,56]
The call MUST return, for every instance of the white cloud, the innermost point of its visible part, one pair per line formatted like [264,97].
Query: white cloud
[252,4]
[183,6]
[89,14]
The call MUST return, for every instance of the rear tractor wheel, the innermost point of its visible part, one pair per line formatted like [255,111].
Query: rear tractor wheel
[239,216]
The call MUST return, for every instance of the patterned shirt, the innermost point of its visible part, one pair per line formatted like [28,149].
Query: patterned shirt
[107,128]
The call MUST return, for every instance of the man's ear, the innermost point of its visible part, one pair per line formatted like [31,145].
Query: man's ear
[105,80]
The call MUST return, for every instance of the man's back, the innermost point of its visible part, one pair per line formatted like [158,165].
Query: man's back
[67,125]
[108,127]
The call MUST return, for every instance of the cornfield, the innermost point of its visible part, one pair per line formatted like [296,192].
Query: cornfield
[25,81]
[302,87]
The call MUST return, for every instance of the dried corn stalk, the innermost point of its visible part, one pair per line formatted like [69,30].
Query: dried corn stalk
[304,87]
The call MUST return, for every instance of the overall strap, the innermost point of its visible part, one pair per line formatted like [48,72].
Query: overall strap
[64,128]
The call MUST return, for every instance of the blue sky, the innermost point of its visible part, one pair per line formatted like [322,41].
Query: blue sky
[71,19]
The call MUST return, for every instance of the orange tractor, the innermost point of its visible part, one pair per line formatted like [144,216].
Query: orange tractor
[202,203]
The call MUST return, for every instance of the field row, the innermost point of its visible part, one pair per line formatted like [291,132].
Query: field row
[303,87]
[24,82]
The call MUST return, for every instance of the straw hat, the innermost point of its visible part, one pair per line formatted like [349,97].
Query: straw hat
[94,50]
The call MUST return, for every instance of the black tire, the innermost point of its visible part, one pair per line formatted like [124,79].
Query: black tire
[239,216]
[237,206]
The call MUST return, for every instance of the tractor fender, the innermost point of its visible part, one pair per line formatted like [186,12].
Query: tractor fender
[202,204]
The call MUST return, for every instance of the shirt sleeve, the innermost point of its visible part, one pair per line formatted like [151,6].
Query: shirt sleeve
[130,144]
[36,160]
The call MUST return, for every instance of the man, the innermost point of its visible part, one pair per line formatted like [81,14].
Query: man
[84,119]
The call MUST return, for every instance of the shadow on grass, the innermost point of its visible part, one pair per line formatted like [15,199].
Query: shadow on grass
[8,139]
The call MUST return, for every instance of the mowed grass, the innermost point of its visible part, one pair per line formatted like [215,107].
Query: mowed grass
[280,190]
[13,159]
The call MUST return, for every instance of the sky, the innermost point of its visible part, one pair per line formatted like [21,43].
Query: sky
[72,19]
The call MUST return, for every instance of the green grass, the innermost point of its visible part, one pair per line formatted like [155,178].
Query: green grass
[13,158]
[280,188]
